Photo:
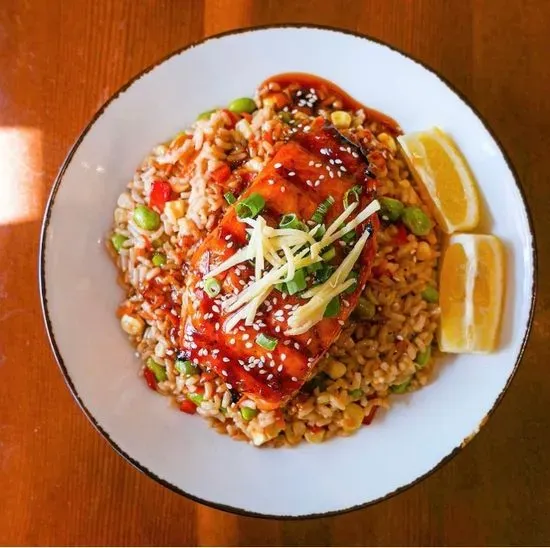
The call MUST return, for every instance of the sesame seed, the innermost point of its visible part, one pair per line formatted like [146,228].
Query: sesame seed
[283,357]
[231,341]
[278,165]
[225,359]
[294,379]
[246,336]
[283,189]
[230,386]
[270,376]
[249,345]
[217,326]
[337,161]
[291,173]
[308,341]
[297,346]
[230,244]
[280,368]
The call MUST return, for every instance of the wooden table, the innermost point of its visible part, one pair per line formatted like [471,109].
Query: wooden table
[60,483]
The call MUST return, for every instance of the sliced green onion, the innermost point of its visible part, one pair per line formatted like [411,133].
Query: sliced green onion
[320,232]
[314,267]
[290,220]
[352,193]
[322,209]
[195,398]
[298,283]
[158,370]
[247,413]
[267,342]
[329,254]
[333,308]
[158,259]
[356,394]
[212,287]
[353,275]
[230,198]
[349,237]
[280,287]
[250,206]
[186,367]
[324,273]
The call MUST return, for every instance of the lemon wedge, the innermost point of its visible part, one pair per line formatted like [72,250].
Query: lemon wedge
[471,293]
[444,178]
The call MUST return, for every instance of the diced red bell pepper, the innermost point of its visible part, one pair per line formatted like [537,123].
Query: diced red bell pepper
[221,174]
[370,417]
[401,237]
[187,406]
[161,192]
[149,377]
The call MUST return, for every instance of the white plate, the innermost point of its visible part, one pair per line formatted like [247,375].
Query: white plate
[80,294]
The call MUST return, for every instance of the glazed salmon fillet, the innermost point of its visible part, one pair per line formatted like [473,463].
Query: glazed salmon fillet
[312,167]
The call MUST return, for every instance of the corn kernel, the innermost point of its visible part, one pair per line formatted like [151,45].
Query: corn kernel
[353,417]
[388,140]
[341,119]
[132,325]
[315,437]
[174,210]
[336,369]
[423,251]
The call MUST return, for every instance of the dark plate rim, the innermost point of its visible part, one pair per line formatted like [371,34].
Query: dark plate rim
[51,336]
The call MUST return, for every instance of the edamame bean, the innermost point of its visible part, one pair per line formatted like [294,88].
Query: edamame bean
[146,218]
[248,413]
[365,309]
[416,221]
[430,294]
[400,388]
[118,240]
[205,115]
[391,209]
[422,358]
[243,104]
[158,259]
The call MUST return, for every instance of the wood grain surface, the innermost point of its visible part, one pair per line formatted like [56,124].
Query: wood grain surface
[60,482]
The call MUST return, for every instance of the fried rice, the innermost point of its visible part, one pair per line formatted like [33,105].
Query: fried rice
[377,352]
